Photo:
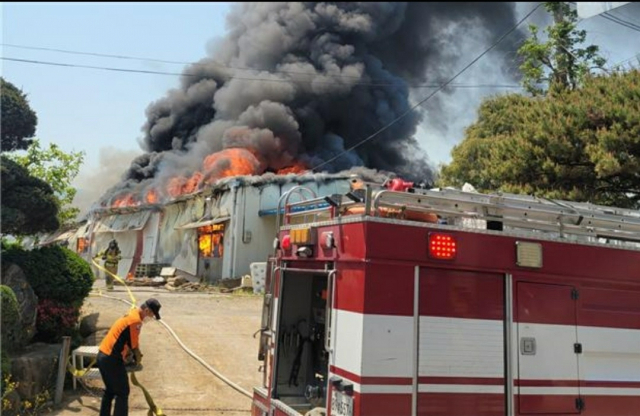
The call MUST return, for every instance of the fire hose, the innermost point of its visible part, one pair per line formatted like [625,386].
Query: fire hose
[153,408]
[207,366]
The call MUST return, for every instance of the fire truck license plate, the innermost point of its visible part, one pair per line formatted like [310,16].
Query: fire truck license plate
[341,404]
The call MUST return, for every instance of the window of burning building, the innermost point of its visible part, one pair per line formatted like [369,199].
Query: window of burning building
[82,245]
[211,240]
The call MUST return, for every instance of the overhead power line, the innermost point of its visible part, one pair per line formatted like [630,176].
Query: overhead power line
[401,116]
[102,55]
[373,82]
[138,71]
[143,71]
[620,21]
[636,56]
[627,16]
[164,61]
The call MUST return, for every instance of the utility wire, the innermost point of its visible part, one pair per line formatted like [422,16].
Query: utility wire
[401,116]
[205,64]
[142,71]
[103,55]
[626,19]
[139,71]
[620,21]
[615,14]
[240,68]
[636,56]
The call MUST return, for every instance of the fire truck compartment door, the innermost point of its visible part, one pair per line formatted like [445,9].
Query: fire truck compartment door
[546,335]
[461,343]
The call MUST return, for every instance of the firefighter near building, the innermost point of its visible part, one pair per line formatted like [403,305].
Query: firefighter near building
[111,257]
[399,301]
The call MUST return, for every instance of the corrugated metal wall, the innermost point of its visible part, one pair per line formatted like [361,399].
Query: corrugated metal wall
[179,247]
[124,228]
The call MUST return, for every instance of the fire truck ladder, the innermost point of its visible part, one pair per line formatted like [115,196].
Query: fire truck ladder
[520,211]
[567,219]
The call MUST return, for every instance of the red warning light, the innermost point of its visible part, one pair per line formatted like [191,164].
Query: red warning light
[442,246]
[286,242]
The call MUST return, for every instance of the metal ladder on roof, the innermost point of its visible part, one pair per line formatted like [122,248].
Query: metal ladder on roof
[519,211]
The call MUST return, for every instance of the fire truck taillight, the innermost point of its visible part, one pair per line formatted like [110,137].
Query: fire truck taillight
[286,242]
[442,246]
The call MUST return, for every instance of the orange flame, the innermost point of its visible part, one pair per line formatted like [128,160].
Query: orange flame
[174,187]
[297,167]
[192,184]
[211,240]
[180,185]
[204,244]
[152,196]
[82,244]
[230,162]
[127,200]
[222,164]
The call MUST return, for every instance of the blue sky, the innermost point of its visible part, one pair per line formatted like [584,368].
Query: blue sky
[101,112]
[85,109]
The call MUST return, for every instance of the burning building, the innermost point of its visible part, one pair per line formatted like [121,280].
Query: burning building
[213,234]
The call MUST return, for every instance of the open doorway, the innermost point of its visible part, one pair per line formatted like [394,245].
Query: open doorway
[302,362]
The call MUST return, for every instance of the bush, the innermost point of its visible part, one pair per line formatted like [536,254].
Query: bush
[6,369]
[6,363]
[55,320]
[11,324]
[14,405]
[54,272]
[6,244]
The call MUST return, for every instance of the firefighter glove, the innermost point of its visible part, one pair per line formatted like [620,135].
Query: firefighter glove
[137,356]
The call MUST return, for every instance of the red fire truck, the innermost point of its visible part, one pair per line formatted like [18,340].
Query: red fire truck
[441,302]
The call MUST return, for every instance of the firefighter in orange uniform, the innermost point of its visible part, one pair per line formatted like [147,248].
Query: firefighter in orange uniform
[121,342]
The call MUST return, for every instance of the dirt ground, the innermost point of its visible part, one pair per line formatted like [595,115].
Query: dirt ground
[217,327]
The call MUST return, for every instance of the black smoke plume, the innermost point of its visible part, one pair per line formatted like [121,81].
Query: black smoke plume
[302,82]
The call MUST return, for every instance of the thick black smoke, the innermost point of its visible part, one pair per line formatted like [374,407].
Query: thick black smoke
[302,82]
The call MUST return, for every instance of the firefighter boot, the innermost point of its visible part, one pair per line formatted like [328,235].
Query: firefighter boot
[112,269]
[109,282]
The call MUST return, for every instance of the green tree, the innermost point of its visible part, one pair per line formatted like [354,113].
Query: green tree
[29,205]
[18,122]
[558,63]
[581,145]
[57,168]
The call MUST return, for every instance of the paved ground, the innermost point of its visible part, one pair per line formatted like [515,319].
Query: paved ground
[216,327]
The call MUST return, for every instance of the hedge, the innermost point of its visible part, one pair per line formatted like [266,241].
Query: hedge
[54,272]
[11,324]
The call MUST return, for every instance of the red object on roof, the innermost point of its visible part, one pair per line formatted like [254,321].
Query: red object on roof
[398,184]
